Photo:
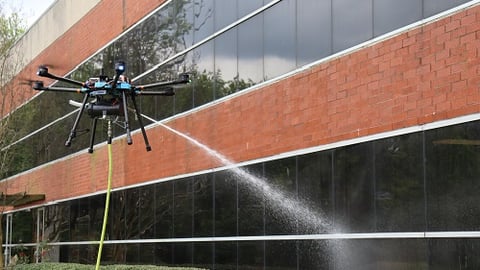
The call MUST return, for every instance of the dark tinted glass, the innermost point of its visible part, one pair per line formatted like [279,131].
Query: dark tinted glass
[352,23]
[163,201]
[445,254]
[203,255]
[389,15]
[96,213]
[57,222]
[281,202]
[379,254]
[315,190]
[399,188]
[251,201]
[23,227]
[182,208]
[281,255]
[183,254]
[453,155]
[163,253]
[203,205]
[251,255]
[116,216]
[354,188]
[226,255]
[225,204]
[316,255]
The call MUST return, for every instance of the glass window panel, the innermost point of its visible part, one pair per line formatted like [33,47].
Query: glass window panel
[354,188]
[225,13]
[114,253]
[432,7]
[246,7]
[316,255]
[251,255]
[96,212]
[57,222]
[183,254]
[352,23]
[453,155]
[183,208]
[203,69]
[399,189]
[314,30]
[279,38]
[116,225]
[80,219]
[315,189]
[445,254]
[184,23]
[140,254]
[203,255]
[203,12]
[250,50]
[251,201]
[23,224]
[282,208]
[392,14]
[185,95]
[145,212]
[163,210]
[226,64]
[281,255]
[379,254]
[203,215]
[226,255]
[225,204]
[163,253]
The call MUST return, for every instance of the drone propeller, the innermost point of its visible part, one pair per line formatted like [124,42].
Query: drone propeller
[35,84]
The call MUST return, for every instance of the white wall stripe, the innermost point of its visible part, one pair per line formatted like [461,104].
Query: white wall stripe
[302,237]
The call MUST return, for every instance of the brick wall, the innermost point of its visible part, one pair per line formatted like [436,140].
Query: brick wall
[423,75]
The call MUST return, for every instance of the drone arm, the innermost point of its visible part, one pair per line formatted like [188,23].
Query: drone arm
[184,79]
[59,89]
[43,72]
[166,92]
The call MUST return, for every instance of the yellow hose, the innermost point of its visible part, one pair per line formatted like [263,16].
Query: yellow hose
[107,203]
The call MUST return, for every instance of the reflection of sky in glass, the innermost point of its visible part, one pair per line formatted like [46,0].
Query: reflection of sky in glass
[352,23]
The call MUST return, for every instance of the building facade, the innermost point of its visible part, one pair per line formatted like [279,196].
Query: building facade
[333,134]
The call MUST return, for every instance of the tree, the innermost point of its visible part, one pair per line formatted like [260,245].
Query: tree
[11,28]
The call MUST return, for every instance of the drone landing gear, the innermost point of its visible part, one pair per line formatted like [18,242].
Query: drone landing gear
[142,127]
[92,136]
[73,132]
[127,125]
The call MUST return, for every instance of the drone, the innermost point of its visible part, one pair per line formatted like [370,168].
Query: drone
[105,98]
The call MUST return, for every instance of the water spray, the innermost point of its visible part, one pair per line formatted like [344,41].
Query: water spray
[292,206]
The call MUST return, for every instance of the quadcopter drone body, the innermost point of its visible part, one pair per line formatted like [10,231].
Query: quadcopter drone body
[109,98]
